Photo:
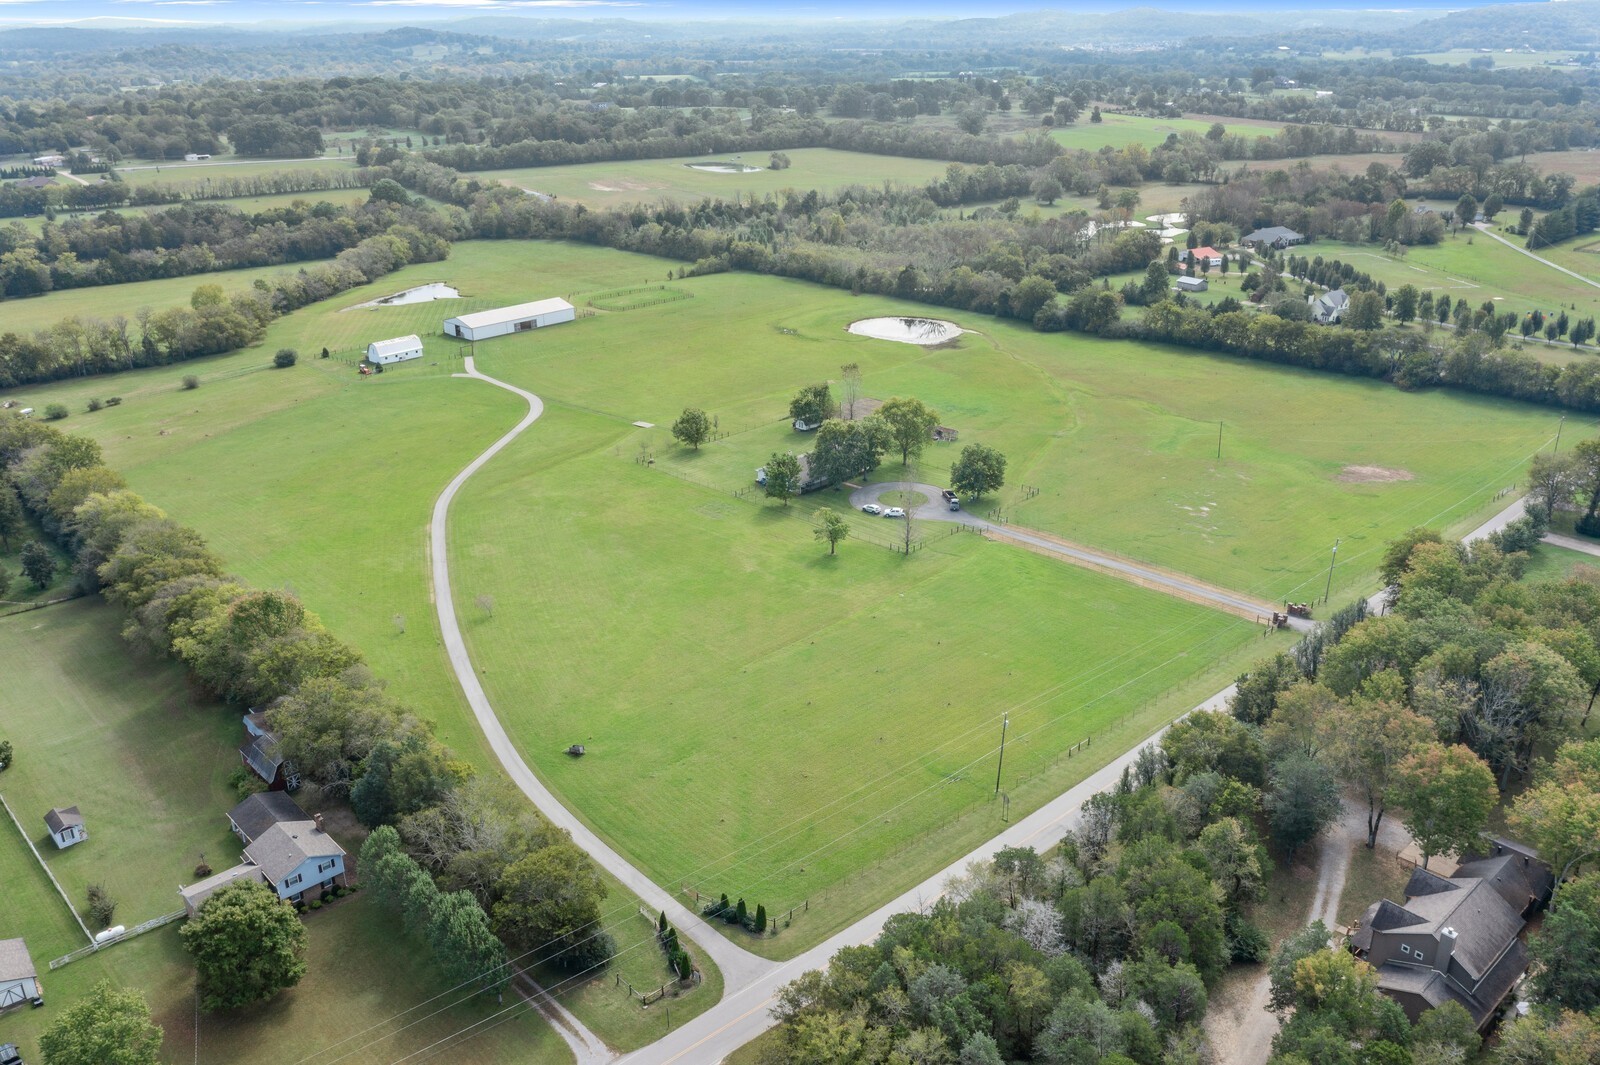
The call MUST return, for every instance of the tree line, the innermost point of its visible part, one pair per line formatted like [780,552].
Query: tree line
[213,323]
[111,249]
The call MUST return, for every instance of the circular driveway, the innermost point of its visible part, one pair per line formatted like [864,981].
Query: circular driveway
[934,509]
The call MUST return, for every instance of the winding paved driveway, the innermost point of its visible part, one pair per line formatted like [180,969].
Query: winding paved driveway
[1045,543]
[739,967]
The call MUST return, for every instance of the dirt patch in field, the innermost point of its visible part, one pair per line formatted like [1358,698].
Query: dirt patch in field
[863,407]
[624,186]
[1373,475]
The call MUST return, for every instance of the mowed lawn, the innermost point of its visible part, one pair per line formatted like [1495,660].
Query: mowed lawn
[105,302]
[1119,131]
[1481,271]
[650,180]
[194,175]
[769,721]
[121,737]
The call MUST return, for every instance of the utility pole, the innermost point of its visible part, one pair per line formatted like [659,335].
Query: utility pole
[1219,441]
[1005,723]
[1562,424]
[1329,590]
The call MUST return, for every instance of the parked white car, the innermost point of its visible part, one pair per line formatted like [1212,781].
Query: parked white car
[871,508]
[894,512]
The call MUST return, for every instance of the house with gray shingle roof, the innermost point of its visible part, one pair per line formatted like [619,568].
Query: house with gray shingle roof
[19,981]
[1456,938]
[283,848]
[66,826]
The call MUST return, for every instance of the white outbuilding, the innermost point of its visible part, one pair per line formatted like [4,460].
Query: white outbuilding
[481,325]
[19,981]
[382,352]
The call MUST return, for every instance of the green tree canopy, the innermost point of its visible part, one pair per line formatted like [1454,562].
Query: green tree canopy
[109,1025]
[911,424]
[980,469]
[247,945]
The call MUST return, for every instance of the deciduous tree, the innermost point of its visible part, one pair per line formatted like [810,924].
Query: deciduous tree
[38,565]
[247,946]
[109,1025]
[911,424]
[693,427]
[1560,814]
[812,405]
[1566,950]
[980,469]
[783,476]
[1447,794]
[1302,799]
[1366,739]
[831,528]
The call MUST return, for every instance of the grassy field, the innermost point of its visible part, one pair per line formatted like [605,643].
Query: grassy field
[695,695]
[95,726]
[123,738]
[107,301]
[1119,131]
[650,180]
[195,174]
[1477,268]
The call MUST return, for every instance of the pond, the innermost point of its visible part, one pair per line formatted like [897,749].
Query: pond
[438,290]
[723,168]
[928,331]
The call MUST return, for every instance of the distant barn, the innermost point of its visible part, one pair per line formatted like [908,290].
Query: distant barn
[481,325]
[382,352]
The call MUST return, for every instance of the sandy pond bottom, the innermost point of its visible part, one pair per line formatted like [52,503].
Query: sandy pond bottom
[723,168]
[907,330]
[421,294]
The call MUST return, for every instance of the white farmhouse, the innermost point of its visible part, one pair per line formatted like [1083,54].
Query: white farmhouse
[19,982]
[481,325]
[399,349]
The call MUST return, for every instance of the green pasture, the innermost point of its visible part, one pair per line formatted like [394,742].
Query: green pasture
[96,725]
[1476,267]
[650,180]
[1119,131]
[194,175]
[107,301]
[763,719]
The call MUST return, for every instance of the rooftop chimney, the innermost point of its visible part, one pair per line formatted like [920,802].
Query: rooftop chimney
[1447,948]
[318,819]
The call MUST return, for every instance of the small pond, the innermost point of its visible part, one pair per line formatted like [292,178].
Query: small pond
[927,331]
[421,294]
[723,168]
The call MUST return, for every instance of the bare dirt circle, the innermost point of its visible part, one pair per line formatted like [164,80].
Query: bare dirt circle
[1373,475]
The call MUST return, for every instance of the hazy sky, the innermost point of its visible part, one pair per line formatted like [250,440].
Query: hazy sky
[13,11]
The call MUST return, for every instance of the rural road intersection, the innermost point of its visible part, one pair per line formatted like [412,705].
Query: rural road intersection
[751,982]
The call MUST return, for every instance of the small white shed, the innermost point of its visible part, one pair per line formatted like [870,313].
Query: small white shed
[66,826]
[1191,284]
[19,982]
[399,349]
[481,325]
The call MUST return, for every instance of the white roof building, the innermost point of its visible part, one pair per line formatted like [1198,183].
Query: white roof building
[398,349]
[481,325]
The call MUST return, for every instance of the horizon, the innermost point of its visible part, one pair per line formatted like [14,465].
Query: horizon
[271,14]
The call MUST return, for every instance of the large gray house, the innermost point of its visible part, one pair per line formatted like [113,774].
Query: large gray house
[1456,937]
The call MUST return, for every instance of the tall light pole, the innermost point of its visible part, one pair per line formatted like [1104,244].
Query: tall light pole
[1329,590]
[1562,424]
[1005,723]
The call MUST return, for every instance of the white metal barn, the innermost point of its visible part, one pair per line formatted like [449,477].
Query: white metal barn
[381,352]
[18,979]
[481,325]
